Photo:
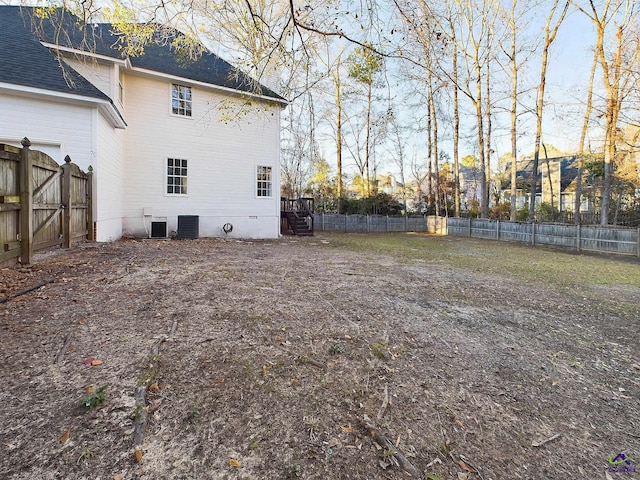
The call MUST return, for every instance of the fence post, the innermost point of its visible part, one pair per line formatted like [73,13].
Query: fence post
[579,236]
[26,204]
[346,223]
[497,229]
[638,244]
[470,226]
[66,202]
[533,233]
[322,223]
[91,234]
[368,223]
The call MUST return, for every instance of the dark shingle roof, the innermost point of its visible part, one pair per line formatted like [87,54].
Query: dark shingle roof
[24,61]
[66,30]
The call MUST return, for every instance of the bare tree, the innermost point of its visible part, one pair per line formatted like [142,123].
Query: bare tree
[364,66]
[473,42]
[612,17]
[551,28]
[577,217]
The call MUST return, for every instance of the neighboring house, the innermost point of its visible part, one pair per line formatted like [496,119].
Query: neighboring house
[165,135]
[470,181]
[391,186]
[556,183]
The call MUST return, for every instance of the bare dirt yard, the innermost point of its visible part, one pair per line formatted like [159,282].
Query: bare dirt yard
[334,357]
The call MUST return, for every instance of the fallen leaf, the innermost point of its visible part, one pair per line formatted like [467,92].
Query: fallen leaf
[118,477]
[88,361]
[138,455]
[82,321]
[96,362]
[90,389]
[347,428]
[65,436]
[154,387]
[334,442]
[555,382]
[463,475]
[466,467]
[234,463]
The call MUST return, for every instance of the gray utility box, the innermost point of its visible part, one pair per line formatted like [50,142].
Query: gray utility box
[188,227]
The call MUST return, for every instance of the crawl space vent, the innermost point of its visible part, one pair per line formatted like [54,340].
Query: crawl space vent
[158,229]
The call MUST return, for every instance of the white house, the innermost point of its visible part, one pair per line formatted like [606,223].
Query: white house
[167,137]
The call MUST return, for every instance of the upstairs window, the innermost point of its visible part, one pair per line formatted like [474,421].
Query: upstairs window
[176,176]
[181,100]
[264,182]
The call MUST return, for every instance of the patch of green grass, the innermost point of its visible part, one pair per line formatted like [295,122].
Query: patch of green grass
[85,454]
[519,261]
[94,398]
[293,471]
[193,414]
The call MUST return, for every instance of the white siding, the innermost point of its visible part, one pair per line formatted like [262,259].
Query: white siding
[222,159]
[66,128]
[108,181]
[100,74]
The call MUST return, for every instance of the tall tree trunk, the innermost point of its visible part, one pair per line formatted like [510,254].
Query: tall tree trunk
[612,77]
[550,177]
[434,124]
[429,157]
[456,124]
[336,79]
[577,219]
[487,173]
[514,111]
[368,133]
[550,35]
[481,152]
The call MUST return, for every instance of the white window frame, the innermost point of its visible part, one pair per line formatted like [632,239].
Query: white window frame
[172,175]
[264,181]
[184,108]
[121,86]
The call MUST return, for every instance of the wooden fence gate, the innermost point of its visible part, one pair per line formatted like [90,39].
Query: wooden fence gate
[42,204]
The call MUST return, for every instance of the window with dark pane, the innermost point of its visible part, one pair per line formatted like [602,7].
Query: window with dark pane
[176,176]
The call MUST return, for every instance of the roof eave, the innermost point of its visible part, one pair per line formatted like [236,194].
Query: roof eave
[85,53]
[105,106]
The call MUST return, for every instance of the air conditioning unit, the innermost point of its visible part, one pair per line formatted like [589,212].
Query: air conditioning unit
[188,227]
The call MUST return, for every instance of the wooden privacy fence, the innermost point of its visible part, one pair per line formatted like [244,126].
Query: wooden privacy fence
[42,204]
[619,240]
